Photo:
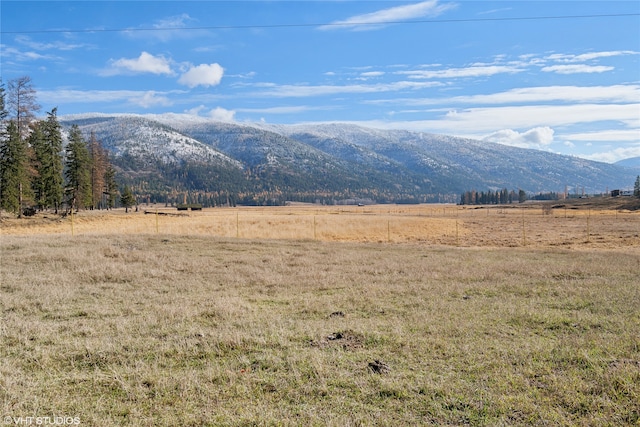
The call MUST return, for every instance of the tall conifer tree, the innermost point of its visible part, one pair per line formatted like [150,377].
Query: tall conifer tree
[15,161]
[46,141]
[14,170]
[38,145]
[78,171]
[4,138]
[111,187]
[53,137]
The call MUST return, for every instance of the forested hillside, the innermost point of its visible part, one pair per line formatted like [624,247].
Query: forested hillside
[88,161]
[269,164]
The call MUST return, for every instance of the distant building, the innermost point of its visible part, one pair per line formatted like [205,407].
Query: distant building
[624,193]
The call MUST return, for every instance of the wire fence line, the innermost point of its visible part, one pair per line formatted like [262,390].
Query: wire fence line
[438,225]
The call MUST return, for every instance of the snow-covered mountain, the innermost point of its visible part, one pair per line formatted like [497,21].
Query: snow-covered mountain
[344,158]
[138,136]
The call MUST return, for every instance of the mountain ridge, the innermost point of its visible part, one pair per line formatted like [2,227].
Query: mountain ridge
[332,160]
[632,162]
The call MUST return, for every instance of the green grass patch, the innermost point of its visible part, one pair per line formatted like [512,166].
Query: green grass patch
[201,331]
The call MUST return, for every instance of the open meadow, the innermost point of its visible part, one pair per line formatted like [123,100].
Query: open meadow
[308,315]
[531,225]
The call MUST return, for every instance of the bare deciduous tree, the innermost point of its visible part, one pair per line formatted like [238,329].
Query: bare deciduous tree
[21,103]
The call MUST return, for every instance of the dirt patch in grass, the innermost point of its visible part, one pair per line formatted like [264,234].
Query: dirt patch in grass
[346,340]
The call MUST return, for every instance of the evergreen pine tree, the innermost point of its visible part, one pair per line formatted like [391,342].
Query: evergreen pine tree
[111,187]
[522,196]
[4,137]
[14,170]
[37,143]
[636,187]
[15,154]
[78,171]
[127,200]
[52,168]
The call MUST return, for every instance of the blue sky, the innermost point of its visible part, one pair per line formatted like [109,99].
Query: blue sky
[560,76]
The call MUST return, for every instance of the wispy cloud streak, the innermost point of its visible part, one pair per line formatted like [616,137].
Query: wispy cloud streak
[375,20]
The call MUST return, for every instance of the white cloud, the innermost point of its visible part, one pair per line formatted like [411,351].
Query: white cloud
[582,94]
[559,57]
[615,93]
[375,20]
[150,99]
[177,21]
[576,69]
[58,45]
[478,122]
[617,135]
[529,116]
[195,111]
[71,96]
[575,64]
[324,90]
[277,110]
[86,96]
[145,63]
[615,154]
[218,113]
[488,12]
[287,109]
[18,55]
[202,75]
[473,71]
[246,76]
[222,114]
[164,29]
[533,138]
[373,74]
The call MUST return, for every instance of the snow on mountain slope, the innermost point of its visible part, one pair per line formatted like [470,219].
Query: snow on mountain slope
[340,152]
[139,136]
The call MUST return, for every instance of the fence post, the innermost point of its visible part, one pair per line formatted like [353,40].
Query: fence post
[388,231]
[524,233]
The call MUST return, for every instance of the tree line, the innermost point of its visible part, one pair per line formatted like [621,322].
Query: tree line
[37,172]
[501,197]
[498,197]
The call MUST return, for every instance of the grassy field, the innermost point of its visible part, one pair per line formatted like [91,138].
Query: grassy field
[533,225]
[474,322]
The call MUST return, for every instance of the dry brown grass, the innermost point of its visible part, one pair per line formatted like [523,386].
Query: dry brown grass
[119,326]
[527,225]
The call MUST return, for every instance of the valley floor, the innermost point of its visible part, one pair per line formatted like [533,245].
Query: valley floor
[527,225]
